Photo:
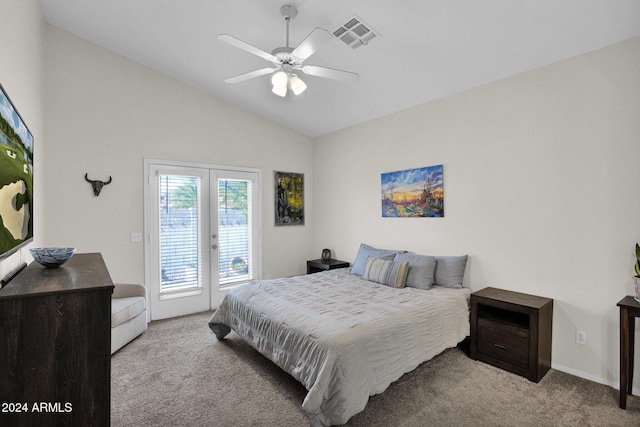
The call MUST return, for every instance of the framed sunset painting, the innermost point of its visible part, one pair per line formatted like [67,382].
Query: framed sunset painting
[413,193]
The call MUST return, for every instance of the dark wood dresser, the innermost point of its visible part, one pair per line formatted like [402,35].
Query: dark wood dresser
[55,345]
[512,331]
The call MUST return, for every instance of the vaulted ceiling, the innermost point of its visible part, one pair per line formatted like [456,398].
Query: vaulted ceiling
[422,49]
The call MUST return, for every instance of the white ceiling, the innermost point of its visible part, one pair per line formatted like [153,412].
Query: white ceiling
[427,49]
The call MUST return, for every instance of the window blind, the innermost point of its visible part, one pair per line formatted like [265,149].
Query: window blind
[179,232]
[234,228]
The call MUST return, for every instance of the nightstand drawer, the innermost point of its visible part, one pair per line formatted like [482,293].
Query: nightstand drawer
[504,342]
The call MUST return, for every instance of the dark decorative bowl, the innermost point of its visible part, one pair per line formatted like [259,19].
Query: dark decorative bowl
[52,257]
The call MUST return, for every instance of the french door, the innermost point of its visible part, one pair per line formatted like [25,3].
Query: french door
[203,235]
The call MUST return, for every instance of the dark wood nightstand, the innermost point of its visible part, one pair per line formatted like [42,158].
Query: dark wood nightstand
[316,265]
[629,310]
[512,331]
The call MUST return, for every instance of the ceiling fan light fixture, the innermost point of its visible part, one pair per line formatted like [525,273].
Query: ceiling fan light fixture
[286,59]
[280,90]
[297,85]
[279,79]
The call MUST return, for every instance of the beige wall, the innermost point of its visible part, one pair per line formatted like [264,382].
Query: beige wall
[541,172]
[21,77]
[105,114]
[541,181]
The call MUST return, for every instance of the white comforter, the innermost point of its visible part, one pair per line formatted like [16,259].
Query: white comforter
[342,337]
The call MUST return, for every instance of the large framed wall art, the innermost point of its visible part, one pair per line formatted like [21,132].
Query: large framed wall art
[289,198]
[413,193]
[16,179]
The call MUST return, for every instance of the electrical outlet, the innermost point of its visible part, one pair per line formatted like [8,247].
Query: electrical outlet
[136,237]
[581,337]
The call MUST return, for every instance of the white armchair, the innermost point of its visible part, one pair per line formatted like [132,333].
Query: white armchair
[128,314]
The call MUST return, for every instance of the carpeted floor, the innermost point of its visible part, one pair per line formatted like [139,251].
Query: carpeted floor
[178,373]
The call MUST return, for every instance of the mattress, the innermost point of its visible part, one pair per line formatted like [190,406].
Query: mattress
[342,337]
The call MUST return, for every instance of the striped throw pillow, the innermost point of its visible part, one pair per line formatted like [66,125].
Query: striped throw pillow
[386,272]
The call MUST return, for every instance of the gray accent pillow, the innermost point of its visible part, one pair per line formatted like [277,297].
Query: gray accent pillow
[386,272]
[364,252]
[421,270]
[450,270]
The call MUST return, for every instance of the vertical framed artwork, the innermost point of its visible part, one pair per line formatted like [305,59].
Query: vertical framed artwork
[289,198]
[413,193]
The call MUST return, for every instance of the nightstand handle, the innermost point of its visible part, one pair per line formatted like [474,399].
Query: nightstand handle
[500,346]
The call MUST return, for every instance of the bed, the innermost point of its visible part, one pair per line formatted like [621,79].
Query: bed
[343,337]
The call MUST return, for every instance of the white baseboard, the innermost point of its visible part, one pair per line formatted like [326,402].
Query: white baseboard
[580,374]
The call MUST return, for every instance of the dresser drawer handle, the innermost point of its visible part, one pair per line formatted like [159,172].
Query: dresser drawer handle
[501,347]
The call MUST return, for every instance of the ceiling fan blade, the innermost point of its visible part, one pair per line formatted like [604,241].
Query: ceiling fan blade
[316,39]
[250,75]
[246,47]
[330,73]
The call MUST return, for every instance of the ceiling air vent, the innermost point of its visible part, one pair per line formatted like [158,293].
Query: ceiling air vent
[356,33]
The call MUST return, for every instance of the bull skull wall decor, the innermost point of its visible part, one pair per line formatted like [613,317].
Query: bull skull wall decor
[97,185]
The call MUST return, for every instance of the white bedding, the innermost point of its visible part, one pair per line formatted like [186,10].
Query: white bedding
[342,337]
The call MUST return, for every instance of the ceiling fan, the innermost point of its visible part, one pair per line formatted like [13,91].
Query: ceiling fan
[286,60]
